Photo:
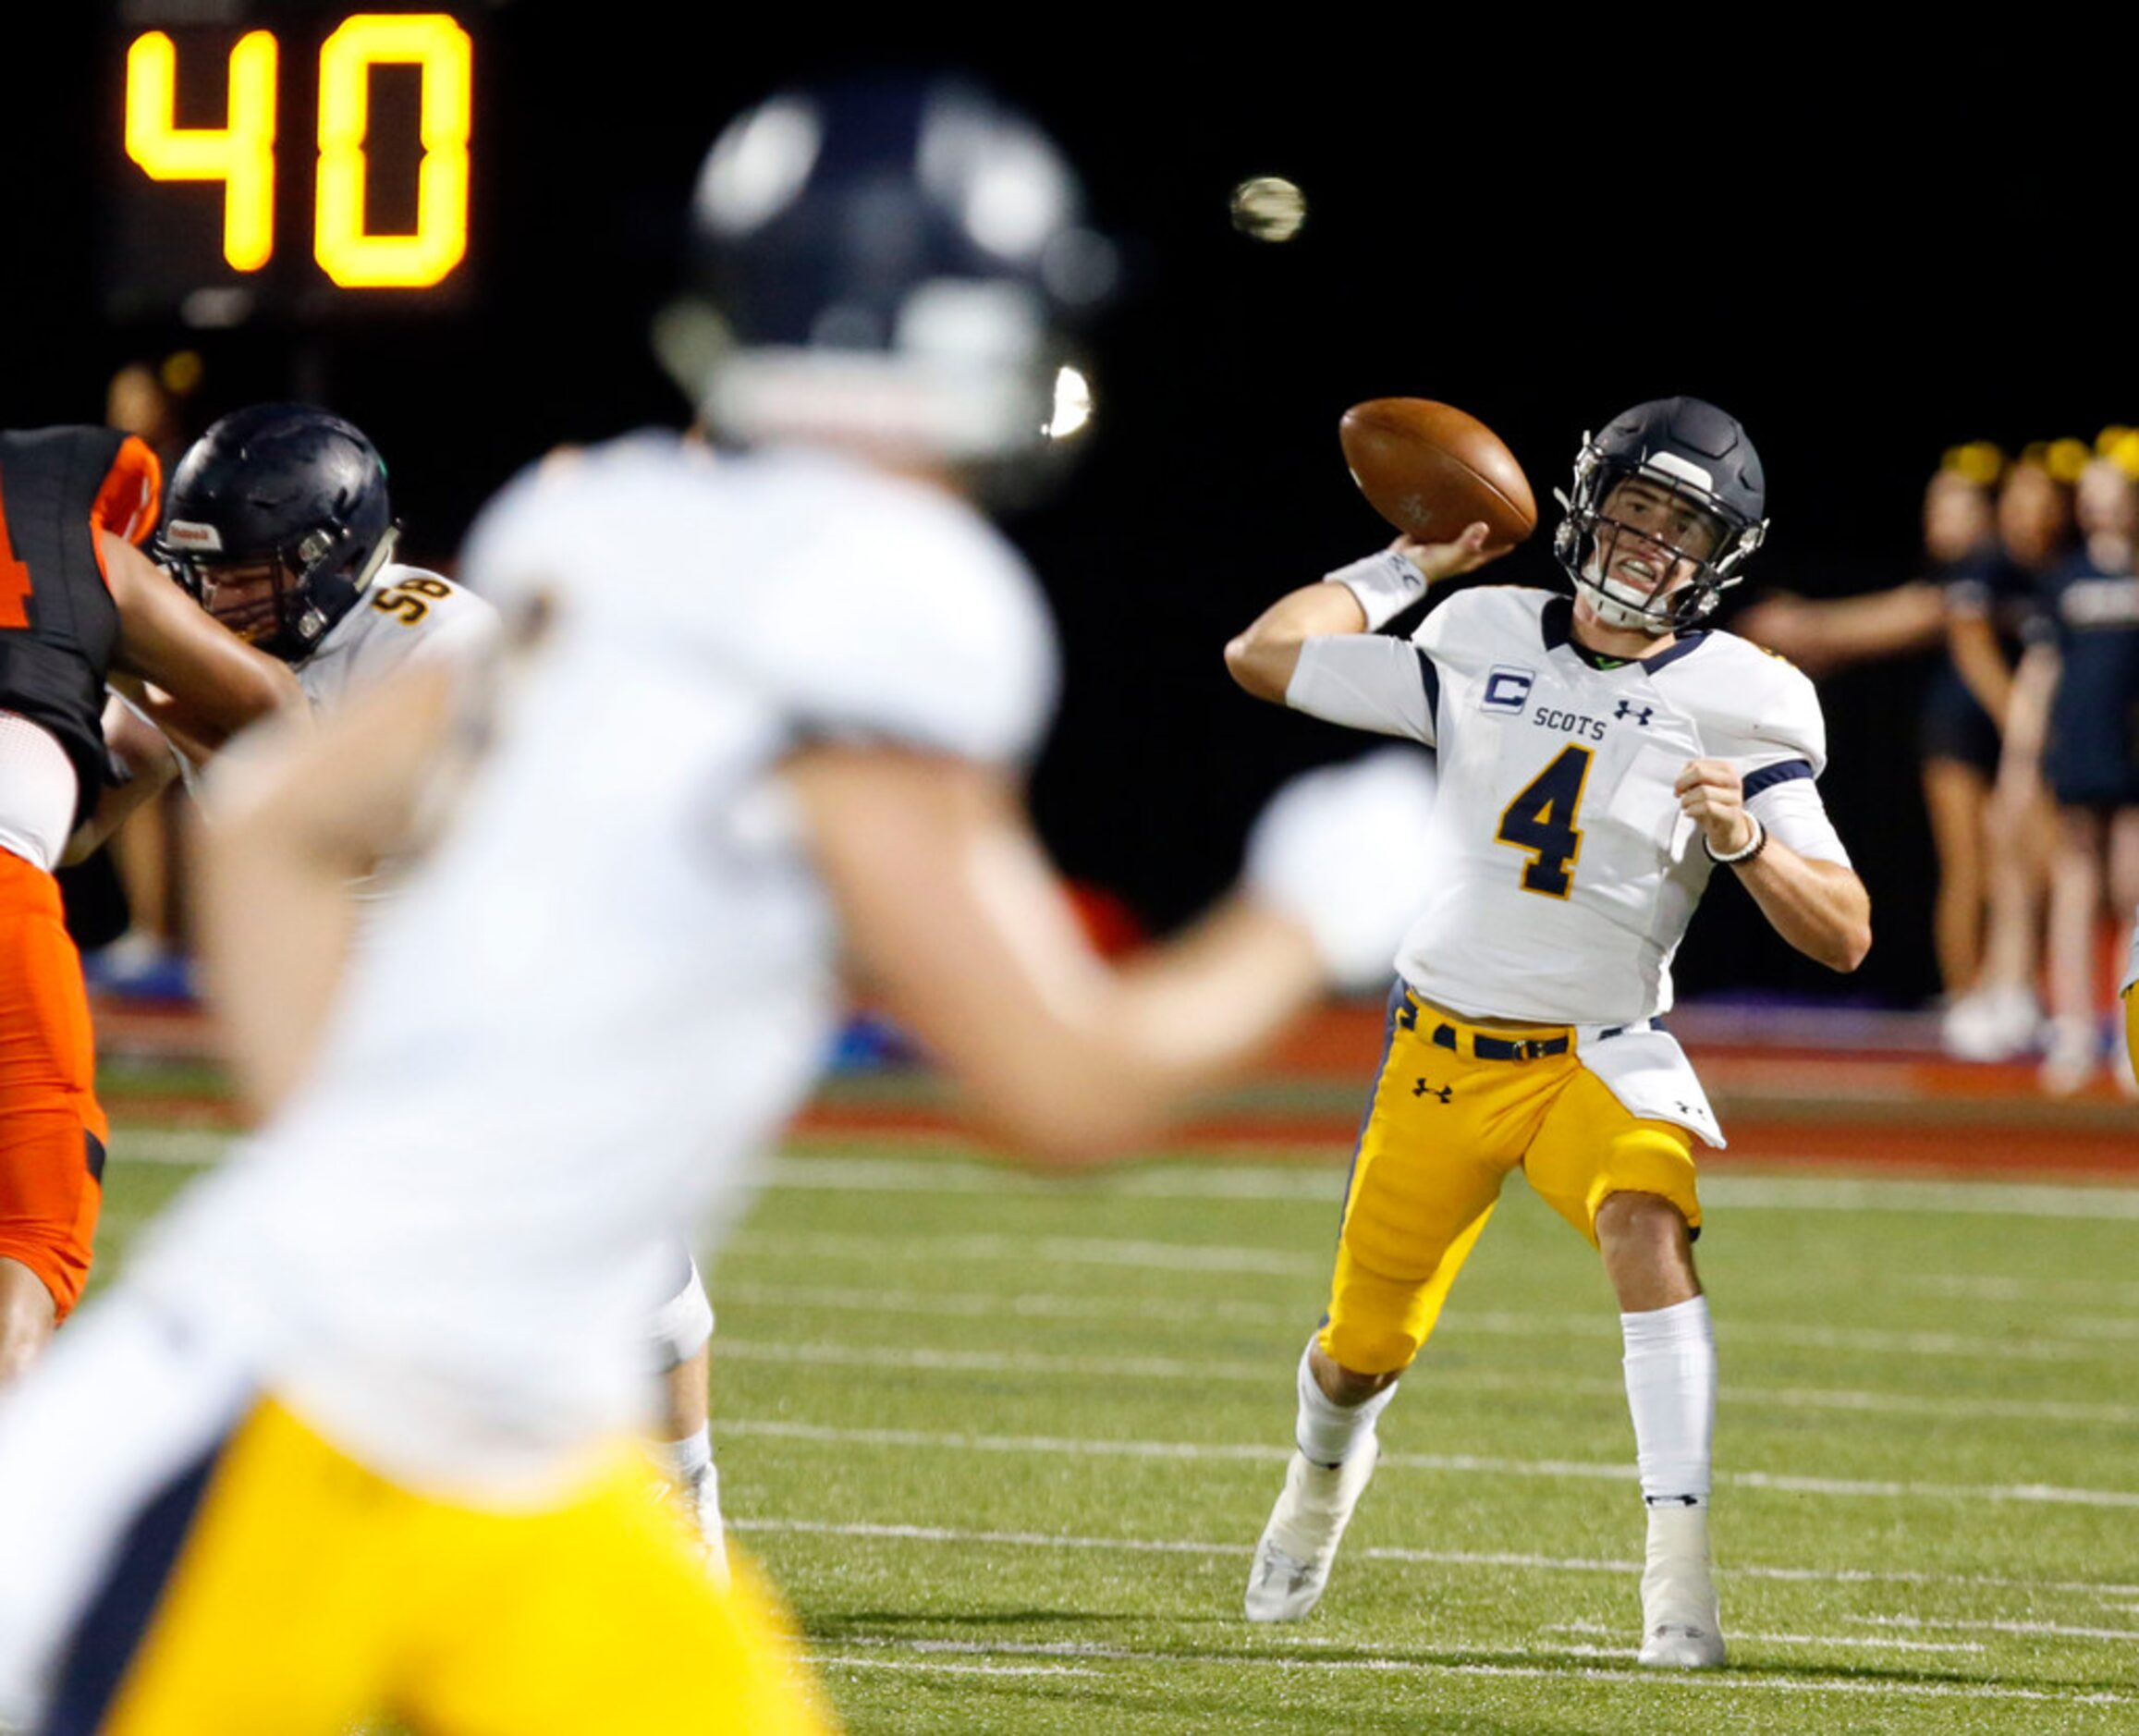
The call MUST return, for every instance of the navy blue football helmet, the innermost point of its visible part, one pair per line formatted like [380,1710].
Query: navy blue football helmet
[277,520]
[886,262]
[1705,480]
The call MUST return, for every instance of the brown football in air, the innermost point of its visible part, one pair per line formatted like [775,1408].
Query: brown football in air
[1430,469]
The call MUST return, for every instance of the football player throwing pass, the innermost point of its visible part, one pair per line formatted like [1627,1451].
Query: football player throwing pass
[1600,757]
[349,1436]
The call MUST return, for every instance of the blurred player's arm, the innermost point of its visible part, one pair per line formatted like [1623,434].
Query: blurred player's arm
[300,813]
[215,684]
[1822,634]
[1821,908]
[956,922]
[1355,599]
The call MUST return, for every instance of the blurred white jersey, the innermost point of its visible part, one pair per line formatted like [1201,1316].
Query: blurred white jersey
[613,979]
[1563,873]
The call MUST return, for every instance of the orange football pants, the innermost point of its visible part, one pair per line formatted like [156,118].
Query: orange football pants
[51,1130]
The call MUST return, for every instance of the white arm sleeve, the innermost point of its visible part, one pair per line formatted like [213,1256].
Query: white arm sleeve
[1791,809]
[1367,681]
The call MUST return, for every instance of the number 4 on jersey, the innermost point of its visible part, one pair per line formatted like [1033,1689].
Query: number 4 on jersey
[1541,819]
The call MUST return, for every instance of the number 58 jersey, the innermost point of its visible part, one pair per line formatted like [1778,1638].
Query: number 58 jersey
[1561,870]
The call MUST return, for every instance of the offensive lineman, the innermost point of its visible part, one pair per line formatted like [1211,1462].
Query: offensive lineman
[1599,758]
[279,522]
[79,602]
[364,1457]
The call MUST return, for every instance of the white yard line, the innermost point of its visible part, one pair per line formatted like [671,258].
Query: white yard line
[841,1660]
[1435,1557]
[1601,1326]
[1860,1641]
[1027,1306]
[1631,1676]
[1025,1251]
[1239,1180]
[1547,1469]
[1981,1288]
[1230,1180]
[2049,1629]
[1258,1371]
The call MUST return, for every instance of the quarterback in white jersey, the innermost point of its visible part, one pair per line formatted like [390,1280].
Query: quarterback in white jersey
[1600,757]
[344,1438]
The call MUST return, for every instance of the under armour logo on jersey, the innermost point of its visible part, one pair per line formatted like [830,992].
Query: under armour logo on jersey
[1639,714]
[1424,1090]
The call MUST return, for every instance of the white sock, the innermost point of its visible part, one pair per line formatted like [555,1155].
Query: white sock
[683,1323]
[1671,1366]
[1327,1432]
[684,1460]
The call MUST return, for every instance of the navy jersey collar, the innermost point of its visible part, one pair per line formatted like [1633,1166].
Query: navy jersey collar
[1558,624]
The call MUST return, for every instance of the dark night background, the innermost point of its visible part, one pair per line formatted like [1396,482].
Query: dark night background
[1867,255]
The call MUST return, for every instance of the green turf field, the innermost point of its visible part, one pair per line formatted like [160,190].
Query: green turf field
[1008,1444]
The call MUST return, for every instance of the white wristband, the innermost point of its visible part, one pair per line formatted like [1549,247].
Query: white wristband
[1753,848]
[1385,584]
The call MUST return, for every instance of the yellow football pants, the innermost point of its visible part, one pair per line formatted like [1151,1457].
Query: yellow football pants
[309,1593]
[1442,1134]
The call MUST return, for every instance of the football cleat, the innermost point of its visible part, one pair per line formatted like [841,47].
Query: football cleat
[700,1497]
[693,1502]
[1682,1626]
[1299,1544]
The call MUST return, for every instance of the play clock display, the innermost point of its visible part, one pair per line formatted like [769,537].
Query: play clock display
[291,162]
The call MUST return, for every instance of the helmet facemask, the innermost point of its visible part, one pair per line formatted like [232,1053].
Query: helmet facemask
[1649,544]
[284,602]
[277,520]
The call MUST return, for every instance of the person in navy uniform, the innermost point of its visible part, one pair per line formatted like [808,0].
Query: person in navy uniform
[2076,698]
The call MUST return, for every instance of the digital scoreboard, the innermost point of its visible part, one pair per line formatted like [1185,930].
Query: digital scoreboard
[300,163]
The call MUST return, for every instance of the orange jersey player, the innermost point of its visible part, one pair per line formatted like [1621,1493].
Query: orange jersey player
[79,602]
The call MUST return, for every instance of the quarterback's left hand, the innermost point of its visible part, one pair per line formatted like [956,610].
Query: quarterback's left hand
[1712,792]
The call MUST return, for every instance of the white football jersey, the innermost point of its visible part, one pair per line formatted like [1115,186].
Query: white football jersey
[1563,873]
[405,613]
[612,980]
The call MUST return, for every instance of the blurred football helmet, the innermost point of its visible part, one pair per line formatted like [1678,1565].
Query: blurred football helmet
[1699,458]
[277,520]
[886,262]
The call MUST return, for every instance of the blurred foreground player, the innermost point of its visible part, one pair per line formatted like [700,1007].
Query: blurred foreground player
[79,602]
[351,1434]
[281,521]
[1598,757]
